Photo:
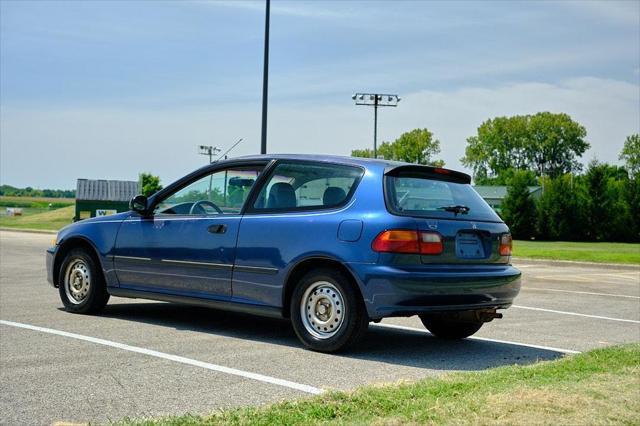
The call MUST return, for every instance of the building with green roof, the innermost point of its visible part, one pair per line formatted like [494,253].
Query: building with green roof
[494,195]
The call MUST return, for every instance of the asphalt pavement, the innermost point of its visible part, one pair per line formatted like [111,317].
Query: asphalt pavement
[142,358]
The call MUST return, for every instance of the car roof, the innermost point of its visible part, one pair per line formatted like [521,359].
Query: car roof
[368,163]
[342,159]
[381,166]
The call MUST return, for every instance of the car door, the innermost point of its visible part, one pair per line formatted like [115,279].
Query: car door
[296,212]
[187,244]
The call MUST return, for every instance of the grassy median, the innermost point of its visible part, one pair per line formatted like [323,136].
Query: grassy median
[596,387]
[51,220]
[578,251]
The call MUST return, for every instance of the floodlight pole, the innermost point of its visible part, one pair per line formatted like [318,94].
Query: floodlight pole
[376,100]
[375,128]
[265,79]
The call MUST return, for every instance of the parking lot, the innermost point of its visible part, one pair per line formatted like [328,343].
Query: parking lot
[143,358]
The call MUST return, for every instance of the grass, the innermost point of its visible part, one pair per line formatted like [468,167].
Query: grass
[596,387]
[35,202]
[582,251]
[42,219]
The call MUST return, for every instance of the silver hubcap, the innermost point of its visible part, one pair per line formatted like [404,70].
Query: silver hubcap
[76,281]
[322,310]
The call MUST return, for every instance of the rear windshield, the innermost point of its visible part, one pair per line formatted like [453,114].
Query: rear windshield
[422,197]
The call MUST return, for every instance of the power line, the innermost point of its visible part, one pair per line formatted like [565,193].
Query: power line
[208,150]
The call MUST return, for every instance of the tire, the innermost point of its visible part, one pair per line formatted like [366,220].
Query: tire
[81,284]
[333,316]
[448,329]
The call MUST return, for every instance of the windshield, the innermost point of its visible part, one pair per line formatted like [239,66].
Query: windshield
[418,196]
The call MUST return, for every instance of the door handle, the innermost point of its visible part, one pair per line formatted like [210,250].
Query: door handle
[217,229]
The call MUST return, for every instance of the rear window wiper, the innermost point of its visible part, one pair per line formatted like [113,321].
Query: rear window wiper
[455,209]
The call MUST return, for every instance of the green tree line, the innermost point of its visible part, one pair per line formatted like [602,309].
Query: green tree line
[417,146]
[12,191]
[543,149]
[599,204]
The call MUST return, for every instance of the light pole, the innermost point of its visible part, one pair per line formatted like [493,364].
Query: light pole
[265,79]
[208,150]
[376,100]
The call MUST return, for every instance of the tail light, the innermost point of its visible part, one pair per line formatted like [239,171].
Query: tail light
[430,243]
[405,241]
[505,245]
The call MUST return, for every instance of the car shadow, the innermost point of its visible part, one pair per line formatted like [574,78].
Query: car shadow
[388,345]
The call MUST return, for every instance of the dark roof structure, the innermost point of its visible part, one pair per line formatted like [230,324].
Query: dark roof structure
[498,192]
[106,190]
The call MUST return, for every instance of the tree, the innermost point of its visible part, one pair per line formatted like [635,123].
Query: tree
[362,153]
[150,184]
[560,212]
[417,146]
[631,154]
[631,195]
[504,178]
[498,146]
[546,143]
[518,208]
[599,204]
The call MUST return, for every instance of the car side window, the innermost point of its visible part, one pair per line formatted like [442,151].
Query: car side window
[307,186]
[223,192]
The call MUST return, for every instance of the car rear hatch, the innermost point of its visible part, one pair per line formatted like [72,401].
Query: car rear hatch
[445,206]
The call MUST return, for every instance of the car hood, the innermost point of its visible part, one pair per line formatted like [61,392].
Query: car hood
[118,217]
[112,217]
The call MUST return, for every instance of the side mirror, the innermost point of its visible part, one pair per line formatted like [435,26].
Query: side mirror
[139,204]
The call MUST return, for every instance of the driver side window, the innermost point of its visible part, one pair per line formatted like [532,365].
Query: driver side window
[222,192]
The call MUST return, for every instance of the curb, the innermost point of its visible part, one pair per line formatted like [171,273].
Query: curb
[29,231]
[630,266]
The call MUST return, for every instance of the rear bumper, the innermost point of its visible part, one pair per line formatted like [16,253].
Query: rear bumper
[50,255]
[408,290]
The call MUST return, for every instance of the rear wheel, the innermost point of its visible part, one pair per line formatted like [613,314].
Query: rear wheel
[81,283]
[449,329]
[327,313]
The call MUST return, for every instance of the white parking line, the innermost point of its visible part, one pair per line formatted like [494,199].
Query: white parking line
[530,308]
[174,358]
[627,275]
[581,292]
[573,278]
[484,339]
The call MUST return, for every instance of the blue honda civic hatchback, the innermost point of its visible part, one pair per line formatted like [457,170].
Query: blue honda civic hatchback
[332,243]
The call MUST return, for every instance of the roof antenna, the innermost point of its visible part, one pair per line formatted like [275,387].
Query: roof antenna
[227,151]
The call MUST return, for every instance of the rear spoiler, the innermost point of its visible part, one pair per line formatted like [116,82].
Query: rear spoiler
[427,172]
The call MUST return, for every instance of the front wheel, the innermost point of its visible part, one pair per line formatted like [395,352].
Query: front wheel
[327,313]
[449,329]
[81,283]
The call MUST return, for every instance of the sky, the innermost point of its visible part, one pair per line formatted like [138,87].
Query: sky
[108,89]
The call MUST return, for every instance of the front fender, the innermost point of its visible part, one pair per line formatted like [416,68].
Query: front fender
[99,235]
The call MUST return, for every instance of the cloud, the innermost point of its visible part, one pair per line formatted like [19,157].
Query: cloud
[609,109]
[295,8]
[52,147]
[618,12]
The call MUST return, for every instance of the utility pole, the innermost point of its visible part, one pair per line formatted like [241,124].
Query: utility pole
[208,150]
[376,100]
[265,79]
